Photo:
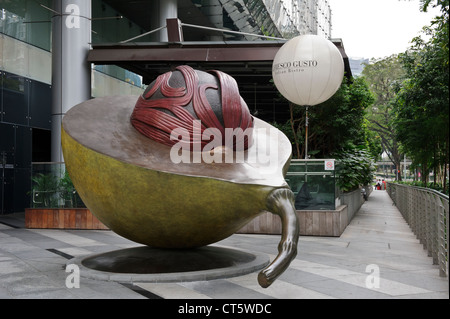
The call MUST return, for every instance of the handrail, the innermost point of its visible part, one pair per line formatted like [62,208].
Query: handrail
[181,24]
[427,213]
[143,34]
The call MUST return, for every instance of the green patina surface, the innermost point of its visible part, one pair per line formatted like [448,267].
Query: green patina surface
[160,209]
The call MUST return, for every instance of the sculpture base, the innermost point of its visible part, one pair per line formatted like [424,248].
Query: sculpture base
[146,264]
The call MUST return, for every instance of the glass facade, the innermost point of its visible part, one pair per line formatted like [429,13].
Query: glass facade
[313,184]
[30,22]
[25,109]
[26,91]
[24,101]
[26,69]
[27,21]
[280,18]
[296,17]
[25,97]
[110,26]
[15,159]
[52,187]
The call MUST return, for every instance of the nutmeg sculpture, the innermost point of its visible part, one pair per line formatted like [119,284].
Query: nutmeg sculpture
[181,166]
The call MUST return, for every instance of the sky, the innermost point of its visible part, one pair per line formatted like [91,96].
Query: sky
[377,28]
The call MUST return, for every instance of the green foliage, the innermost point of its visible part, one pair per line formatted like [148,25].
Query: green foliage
[411,111]
[372,141]
[384,77]
[332,124]
[44,186]
[68,192]
[422,102]
[354,167]
[335,127]
[49,189]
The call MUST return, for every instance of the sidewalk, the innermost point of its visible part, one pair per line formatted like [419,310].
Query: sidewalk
[378,241]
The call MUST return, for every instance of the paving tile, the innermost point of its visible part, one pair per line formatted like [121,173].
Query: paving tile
[33,263]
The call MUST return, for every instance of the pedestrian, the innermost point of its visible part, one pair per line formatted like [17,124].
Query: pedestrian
[384,184]
[379,184]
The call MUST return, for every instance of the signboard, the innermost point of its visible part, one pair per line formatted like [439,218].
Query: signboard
[329,165]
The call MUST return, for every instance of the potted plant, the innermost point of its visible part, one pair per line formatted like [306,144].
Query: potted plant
[56,204]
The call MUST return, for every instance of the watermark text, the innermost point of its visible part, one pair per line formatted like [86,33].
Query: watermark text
[373,279]
[73,278]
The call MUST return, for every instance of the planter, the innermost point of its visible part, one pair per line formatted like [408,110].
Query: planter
[353,200]
[61,218]
[330,223]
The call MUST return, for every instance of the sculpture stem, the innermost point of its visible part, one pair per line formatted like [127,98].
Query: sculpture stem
[281,203]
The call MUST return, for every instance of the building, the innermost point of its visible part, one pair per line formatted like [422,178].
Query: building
[46,65]
[357,65]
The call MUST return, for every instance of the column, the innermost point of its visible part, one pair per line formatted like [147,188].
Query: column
[168,9]
[71,73]
[214,12]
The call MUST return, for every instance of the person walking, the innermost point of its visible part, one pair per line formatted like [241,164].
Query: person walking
[378,185]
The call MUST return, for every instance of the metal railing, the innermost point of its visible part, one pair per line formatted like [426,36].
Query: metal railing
[426,212]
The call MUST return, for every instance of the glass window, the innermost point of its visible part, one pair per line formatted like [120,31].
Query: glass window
[1,97]
[40,105]
[21,189]
[52,187]
[15,99]
[312,185]
[22,147]
[28,21]
[7,141]
[107,29]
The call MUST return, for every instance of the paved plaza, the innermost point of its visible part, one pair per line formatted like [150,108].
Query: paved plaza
[377,257]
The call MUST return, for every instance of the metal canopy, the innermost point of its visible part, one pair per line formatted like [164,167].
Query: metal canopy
[249,62]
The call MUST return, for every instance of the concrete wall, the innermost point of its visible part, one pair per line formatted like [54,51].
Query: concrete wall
[353,201]
[330,223]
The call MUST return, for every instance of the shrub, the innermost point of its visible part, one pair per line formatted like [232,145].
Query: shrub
[355,167]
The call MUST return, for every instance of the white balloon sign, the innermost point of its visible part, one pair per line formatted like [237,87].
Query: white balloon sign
[308,70]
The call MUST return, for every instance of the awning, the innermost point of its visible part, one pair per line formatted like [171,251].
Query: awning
[249,62]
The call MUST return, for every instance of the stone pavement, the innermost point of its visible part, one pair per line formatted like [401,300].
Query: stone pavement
[377,257]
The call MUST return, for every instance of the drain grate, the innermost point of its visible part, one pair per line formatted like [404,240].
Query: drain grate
[141,291]
[60,253]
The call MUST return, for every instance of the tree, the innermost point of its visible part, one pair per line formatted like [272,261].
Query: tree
[333,124]
[384,76]
[422,102]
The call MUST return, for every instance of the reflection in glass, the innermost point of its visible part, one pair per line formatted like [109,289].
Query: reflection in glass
[312,185]
[15,99]
[27,21]
[52,187]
